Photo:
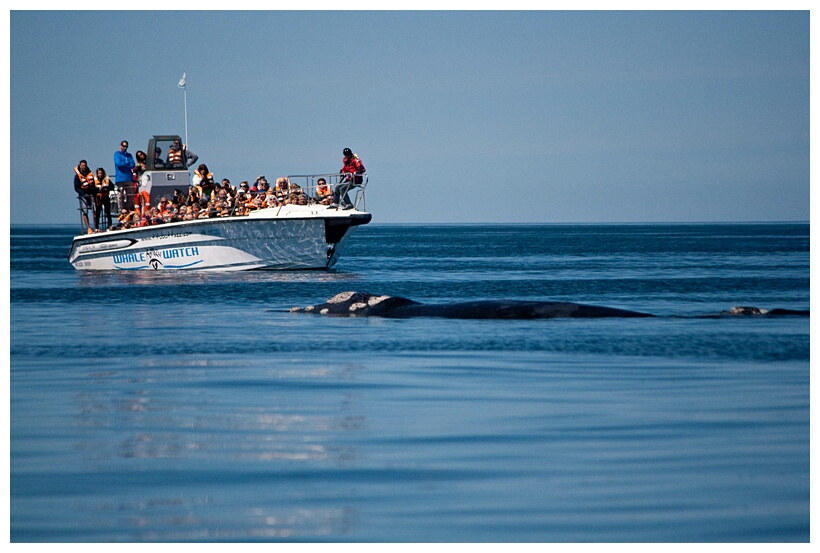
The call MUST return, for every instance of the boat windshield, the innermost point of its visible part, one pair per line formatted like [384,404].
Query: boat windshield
[168,153]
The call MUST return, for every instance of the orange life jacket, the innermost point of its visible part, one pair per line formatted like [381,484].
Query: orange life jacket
[84,183]
[174,157]
[103,187]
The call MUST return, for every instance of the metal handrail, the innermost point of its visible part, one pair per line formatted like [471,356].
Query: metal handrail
[336,180]
[115,201]
[119,195]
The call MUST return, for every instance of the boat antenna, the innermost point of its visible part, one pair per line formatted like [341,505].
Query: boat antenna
[185,103]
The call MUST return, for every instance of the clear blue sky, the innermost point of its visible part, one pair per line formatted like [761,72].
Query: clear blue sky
[458,116]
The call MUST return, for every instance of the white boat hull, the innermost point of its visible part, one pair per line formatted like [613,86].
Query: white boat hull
[292,237]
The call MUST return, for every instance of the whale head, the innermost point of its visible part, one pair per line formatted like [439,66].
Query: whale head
[353,304]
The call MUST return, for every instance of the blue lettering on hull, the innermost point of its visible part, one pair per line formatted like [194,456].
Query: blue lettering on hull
[129,258]
[180,252]
[151,259]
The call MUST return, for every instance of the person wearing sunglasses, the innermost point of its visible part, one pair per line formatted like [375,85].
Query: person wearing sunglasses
[124,179]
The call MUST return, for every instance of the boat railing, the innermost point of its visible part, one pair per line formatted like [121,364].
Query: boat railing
[341,184]
[303,186]
[93,208]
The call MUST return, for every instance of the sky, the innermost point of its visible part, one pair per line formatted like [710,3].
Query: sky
[459,116]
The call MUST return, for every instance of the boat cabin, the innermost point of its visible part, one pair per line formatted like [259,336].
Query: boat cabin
[164,173]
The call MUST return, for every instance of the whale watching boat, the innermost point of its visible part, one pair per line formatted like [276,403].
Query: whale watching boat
[297,235]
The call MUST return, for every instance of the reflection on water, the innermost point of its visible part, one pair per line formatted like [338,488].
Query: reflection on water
[152,279]
[142,521]
[258,428]
[195,424]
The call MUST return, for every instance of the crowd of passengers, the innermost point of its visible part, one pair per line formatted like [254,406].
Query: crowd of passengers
[209,198]
[205,197]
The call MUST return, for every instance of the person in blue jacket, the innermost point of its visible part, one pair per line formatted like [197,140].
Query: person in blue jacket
[124,163]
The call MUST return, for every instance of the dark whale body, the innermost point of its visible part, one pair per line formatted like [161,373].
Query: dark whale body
[742,311]
[361,304]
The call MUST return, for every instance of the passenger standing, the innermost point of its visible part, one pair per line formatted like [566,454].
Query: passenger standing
[139,166]
[102,198]
[177,152]
[124,178]
[201,173]
[141,199]
[84,190]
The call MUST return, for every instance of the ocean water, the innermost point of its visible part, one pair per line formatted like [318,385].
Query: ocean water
[163,407]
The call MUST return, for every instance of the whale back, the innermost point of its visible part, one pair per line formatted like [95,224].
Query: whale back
[355,304]
[363,304]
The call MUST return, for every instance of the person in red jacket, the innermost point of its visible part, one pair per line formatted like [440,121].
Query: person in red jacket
[352,167]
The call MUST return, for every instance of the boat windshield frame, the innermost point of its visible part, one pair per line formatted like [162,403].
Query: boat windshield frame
[163,142]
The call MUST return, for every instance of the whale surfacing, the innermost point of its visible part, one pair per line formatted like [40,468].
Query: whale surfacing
[363,304]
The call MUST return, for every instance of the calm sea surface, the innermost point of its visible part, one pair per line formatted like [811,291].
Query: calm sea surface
[194,407]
